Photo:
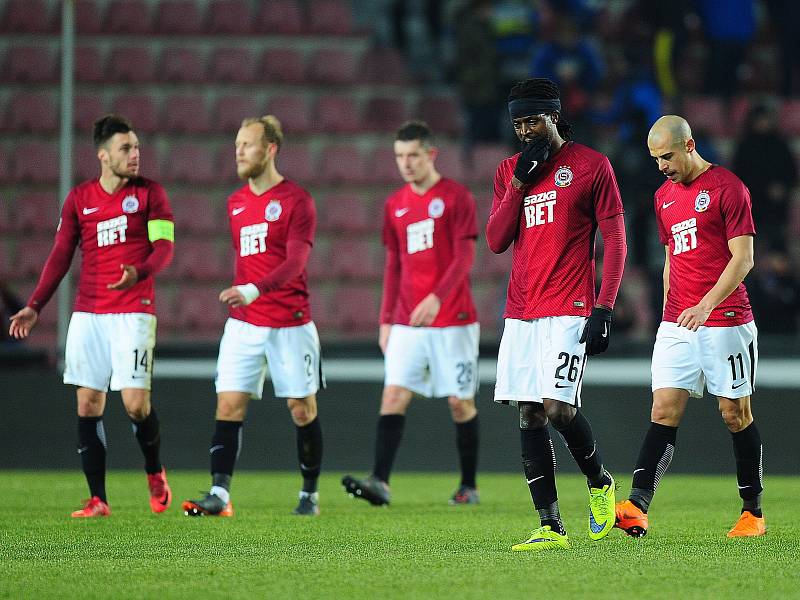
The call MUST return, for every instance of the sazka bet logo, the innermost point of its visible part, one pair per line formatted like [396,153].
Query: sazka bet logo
[273,211]
[563,176]
[702,201]
[130,204]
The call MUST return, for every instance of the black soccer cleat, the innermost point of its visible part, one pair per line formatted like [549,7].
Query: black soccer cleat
[371,489]
[210,505]
[308,505]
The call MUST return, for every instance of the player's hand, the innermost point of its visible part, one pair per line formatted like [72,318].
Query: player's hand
[597,331]
[692,318]
[383,336]
[22,322]
[533,155]
[425,312]
[232,297]
[129,278]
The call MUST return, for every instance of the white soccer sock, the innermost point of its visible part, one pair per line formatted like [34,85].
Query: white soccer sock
[221,493]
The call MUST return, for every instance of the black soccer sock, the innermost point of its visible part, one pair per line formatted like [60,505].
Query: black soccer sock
[654,458]
[225,447]
[749,467]
[581,444]
[148,434]
[309,454]
[92,449]
[467,437]
[539,465]
[390,432]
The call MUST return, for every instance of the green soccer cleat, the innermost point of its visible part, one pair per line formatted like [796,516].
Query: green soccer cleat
[601,510]
[543,538]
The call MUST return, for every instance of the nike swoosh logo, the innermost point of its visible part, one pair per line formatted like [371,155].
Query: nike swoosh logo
[400,212]
[215,448]
[637,470]
[742,487]
[237,211]
[165,501]
[733,387]
[559,386]
[82,450]
[594,525]
[594,449]
[88,211]
[534,163]
[534,479]
[667,204]
[605,330]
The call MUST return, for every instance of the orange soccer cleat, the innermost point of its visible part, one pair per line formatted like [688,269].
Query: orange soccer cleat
[210,505]
[631,519]
[160,494]
[93,507]
[748,525]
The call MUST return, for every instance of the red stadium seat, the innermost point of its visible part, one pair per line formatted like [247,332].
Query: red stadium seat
[186,113]
[282,65]
[182,65]
[25,64]
[89,67]
[710,112]
[4,165]
[131,64]
[318,268]
[35,162]
[231,110]
[30,257]
[179,16]
[385,65]
[330,16]
[280,16]
[27,16]
[197,310]
[382,166]
[36,212]
[490,304]
[485,160]
[225,161]
[331,66]
[88,17]
[349,213]
[85,164]
[232,65]
[489,264]
[229,16]
[128,16]
[384,114]
[355,309]
[32,112]
[337,113]
[292,112]
[195,214]
[353,258]
[199,260]
[342,164]
[190,163]
[139,110]
[5,221]
[321,312]
[789,117]
[440,112]
[449,163]
[296,162]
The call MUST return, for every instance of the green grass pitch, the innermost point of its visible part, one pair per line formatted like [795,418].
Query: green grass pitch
[418,548]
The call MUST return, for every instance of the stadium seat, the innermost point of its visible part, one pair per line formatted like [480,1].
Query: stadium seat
[198,311]
[789,117]
[338,113]
[330,17]
[179,16]
[490,304]
[449,162]
[5,221]
[485,160]
[5,161]
[30,257]
[384,114]
[89,67]
[182,65]
[36,212]
[229,112]
[225,166]
[232,65]
[318,267]
[332,66]
[491,265]
[280,16]
[130,64]
[199,260]
[140,110]
[292,111]
[32,112]
[321,312]
[382,166]
[354,258]
[186,113]
[27,16]
[384,65]
[85,164]
[296,162]
[35,162]
[229,17]
[355,310]
[282,65]
[440,112]
[195,214]
[709,113]
[25,64]
[189,163]
[128,17]
[342,164]
[88,17]
[348,213]
[740,107]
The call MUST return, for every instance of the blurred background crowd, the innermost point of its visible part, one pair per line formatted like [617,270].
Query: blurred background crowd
[342,75]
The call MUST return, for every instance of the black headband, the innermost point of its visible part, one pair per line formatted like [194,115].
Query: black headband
[527,107]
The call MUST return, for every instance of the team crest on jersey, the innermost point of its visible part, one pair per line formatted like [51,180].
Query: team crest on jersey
[563,176]
[702,201]
[273,210]
[436,208]
[130,204]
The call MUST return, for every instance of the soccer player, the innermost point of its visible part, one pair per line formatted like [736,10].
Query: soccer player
[123,225]
[707,335]
[549,200]
[272,224]
[428,324]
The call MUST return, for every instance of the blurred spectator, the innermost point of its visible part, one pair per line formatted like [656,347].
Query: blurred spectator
[774,292]
[670,22]
[10,303]
[417,32]
[786,20]
[763,159]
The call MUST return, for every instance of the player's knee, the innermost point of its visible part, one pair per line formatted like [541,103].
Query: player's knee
[735,420]
[138,412]
[560,414]
[394,400]
[531,416]
[302,412]
[665,415]
[461,410]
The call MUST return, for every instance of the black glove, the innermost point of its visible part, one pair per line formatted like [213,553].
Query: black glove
[597,331]
[533,155]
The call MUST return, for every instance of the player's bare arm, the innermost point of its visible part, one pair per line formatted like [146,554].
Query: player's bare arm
[129,278]
[22,322]
[425,312]
[738,267]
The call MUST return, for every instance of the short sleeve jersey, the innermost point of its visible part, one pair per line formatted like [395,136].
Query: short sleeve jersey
[695,222]
[423,231]
[261,226]
[552,272]
[112,229]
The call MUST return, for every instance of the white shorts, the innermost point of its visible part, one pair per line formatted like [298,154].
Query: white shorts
[436,362]
[113,350]
[292,353]
[724,359]
[541,359]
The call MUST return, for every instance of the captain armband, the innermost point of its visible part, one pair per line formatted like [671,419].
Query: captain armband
[160,229]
